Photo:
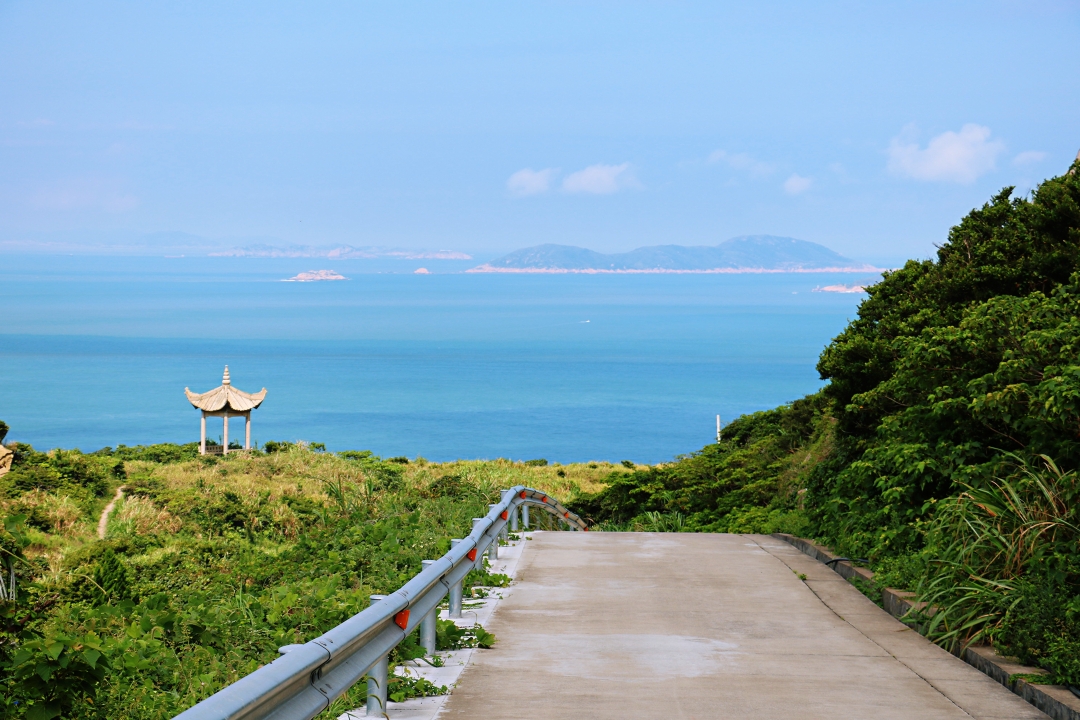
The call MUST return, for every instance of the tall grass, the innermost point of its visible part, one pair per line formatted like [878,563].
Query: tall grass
[985,543]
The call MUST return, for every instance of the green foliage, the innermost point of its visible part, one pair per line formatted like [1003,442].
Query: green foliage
[1002,564]
[449,636]
[159,453]
[111,578]
[237,556]
[405,687]
[747,481]
[13,562]
[61,469]
[540,462]
[56,673]
[1042,626]
[949,363]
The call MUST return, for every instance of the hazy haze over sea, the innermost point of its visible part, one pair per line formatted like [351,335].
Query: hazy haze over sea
[97,351]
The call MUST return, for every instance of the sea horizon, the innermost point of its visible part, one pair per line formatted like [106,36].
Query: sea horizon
[450,365]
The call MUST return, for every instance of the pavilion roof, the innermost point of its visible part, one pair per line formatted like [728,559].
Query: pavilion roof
[226,397]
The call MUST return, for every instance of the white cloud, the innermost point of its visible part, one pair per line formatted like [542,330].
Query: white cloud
[600,179]
[797,184]
[530,182]
[1029,157]
[742,161]
[951,157]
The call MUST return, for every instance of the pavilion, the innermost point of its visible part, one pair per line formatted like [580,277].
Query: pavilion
[225,402]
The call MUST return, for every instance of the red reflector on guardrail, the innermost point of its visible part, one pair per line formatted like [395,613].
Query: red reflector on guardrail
[566,514]
[586,528]
[471,554]
[505,515]
[543,499]
[522,496]
[402,619]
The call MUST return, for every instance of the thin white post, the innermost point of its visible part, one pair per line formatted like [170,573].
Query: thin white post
[427,624]
[377,677]
[504,533]
[225,435]
[455,592]
[717,428]
[247,430]
[479,562]
[493,548]
[202,434]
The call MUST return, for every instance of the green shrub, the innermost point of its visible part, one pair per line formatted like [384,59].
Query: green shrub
[449,636]
[111,577]
[158,453]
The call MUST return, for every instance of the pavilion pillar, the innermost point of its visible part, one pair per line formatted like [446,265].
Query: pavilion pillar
[202,434]
[247,430]
[225,435]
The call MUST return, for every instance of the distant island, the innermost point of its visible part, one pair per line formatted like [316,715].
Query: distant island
[745,254]
[316,276]
[345,252]
[841,288]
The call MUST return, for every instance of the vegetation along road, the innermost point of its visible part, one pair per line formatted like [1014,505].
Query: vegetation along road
[943,450]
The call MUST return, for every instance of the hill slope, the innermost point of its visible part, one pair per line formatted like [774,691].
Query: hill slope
[749,253]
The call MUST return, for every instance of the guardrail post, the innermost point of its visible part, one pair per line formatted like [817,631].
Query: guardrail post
[455,593]
[427,624]
[377,678]
[493,548]
[479,563]
[513,514]
[525,516]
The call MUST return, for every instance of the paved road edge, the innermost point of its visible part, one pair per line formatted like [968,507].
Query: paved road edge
[1057,701]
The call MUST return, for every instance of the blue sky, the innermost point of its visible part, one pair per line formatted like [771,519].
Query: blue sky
[486,127]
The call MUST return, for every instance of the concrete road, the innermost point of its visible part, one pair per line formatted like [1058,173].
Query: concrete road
[644,625]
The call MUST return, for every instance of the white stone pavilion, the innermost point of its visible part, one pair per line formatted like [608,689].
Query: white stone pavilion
[225,402]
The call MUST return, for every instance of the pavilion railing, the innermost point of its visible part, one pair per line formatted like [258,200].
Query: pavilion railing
[307,678]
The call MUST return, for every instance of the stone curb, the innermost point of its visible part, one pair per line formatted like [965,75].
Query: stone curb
[1057,701]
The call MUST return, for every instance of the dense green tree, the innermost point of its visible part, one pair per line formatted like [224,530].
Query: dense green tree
[948,364]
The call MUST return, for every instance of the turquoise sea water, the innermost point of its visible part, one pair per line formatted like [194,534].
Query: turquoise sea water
[97,351]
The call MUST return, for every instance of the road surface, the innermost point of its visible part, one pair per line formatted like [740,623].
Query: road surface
[706,626]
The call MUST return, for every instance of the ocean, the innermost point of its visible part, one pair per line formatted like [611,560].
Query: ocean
[97,351]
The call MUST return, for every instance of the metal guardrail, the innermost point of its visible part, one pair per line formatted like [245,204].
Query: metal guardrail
[307,678]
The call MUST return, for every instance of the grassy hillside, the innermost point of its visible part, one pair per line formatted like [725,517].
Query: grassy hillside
[944,446]
[210,564]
